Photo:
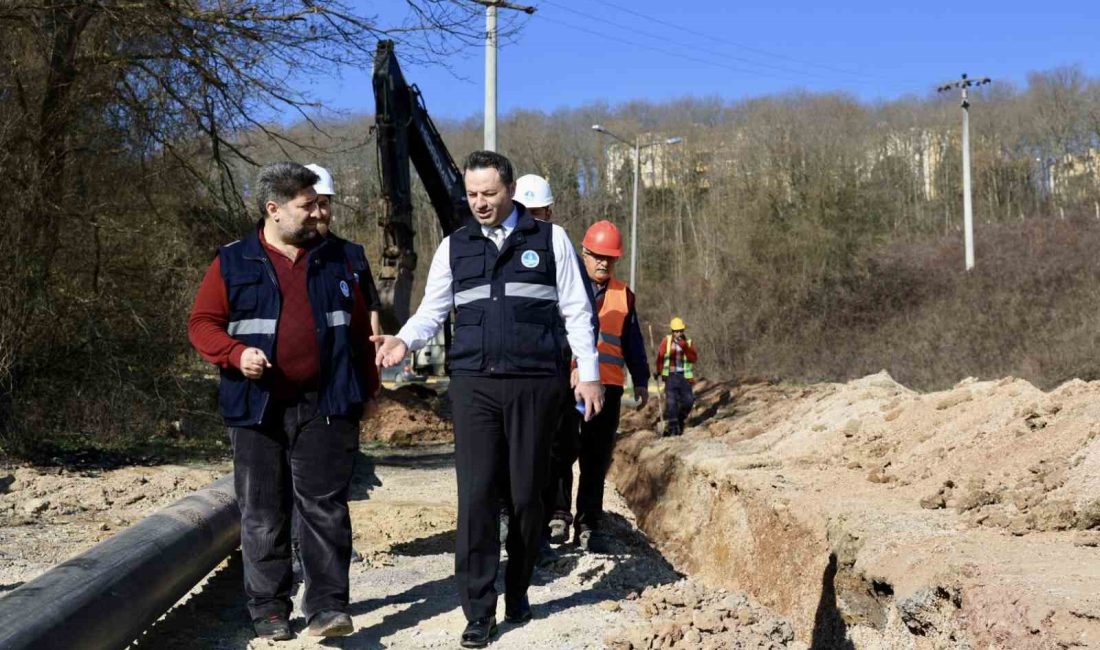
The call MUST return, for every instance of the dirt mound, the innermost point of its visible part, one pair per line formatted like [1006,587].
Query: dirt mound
[409,415]
[713,399]
[869,511]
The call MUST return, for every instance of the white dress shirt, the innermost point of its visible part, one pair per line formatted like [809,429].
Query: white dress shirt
[573,304]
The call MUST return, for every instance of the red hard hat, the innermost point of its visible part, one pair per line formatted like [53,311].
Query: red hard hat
[603,238]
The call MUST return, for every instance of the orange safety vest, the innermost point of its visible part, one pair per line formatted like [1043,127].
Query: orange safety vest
[613,315]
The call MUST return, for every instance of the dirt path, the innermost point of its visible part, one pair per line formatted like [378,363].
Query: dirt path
[403,596]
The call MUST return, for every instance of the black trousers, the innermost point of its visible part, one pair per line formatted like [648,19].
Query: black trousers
[678,402]
[295,457]
[500,422]
[558,495]
[591,443]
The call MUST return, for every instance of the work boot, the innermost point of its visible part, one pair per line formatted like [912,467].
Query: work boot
[330,622]
[275,627]
[591,540]
[559,531]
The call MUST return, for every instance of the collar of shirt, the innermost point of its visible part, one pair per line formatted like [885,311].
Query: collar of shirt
[508,224]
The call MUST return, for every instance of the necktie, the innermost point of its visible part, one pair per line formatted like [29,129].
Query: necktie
[496,234]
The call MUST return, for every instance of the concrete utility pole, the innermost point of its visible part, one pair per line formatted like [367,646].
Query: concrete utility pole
[638,146]
[968,216]
[491,65]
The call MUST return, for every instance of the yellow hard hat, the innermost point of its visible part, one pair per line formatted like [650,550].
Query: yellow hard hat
[677,324]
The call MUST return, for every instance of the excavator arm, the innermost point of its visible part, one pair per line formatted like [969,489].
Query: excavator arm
[405,133]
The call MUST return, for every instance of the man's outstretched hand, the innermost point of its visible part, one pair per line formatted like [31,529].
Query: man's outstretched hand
[391,350]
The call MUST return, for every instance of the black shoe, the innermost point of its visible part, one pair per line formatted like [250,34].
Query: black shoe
[330,622]
[559,531]
[519,613]
[275,627]
[478,632]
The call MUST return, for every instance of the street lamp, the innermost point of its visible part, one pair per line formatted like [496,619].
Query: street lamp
[638,146]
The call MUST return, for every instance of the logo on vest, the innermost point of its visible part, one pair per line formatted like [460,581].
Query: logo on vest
[345,289]
[529,259]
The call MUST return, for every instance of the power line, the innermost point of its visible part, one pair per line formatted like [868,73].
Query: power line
[694,46]
[742,46]
[654,48]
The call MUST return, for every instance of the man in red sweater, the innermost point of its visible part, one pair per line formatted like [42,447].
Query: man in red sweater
[280,314]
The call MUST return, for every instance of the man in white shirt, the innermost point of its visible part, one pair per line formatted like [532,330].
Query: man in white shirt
[510,278]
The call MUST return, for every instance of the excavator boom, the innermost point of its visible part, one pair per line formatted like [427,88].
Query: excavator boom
[405,133]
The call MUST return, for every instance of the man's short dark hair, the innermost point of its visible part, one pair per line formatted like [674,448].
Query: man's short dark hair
[485,159]
[281,182]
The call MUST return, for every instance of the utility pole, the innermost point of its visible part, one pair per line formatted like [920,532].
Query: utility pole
[968,216]
[491,65]
[634,213]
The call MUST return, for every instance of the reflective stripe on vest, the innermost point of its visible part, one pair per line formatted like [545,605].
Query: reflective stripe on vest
[688,372]
[252,326]
[613,315]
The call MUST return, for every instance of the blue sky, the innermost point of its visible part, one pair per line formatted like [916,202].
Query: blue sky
[573,52]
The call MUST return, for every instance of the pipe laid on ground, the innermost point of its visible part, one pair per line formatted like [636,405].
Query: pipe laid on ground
[108,595]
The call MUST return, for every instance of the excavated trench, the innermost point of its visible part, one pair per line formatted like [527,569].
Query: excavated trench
[872,516]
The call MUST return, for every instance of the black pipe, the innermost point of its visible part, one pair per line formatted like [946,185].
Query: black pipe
[107,596]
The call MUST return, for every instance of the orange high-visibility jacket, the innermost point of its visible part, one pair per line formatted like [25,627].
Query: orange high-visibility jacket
[613,314]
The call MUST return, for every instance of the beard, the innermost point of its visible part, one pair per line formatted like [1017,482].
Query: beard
[302,234]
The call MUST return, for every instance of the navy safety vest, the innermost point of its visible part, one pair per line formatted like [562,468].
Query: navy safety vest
[506,302]
[357,258]
[254,307]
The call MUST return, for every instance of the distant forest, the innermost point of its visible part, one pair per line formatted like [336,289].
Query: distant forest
[803,237]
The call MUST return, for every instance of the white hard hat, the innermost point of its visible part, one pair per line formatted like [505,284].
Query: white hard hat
[324,185]
[533,191]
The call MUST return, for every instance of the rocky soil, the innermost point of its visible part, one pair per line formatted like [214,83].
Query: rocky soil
[875,516]
[857,515]
[403,596]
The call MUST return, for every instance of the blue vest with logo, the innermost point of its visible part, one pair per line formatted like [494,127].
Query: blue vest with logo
[357,258]
[254,308]
[506,302]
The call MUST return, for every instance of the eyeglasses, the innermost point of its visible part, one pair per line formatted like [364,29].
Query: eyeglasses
[599,258]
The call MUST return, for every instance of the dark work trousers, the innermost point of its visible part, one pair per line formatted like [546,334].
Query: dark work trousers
[558,496]
[678,402]
[499,418]
[296,457]
[597,442]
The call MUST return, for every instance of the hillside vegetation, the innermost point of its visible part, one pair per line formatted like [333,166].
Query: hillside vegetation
[796,234]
